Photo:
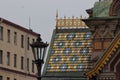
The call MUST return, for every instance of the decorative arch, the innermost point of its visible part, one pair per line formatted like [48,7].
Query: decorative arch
[114,7]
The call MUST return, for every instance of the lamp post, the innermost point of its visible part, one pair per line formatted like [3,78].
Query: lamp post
[39,50]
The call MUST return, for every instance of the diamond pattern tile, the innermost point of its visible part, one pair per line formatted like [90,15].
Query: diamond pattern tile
[70,51]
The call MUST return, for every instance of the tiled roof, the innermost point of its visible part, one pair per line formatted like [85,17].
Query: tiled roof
[69,52]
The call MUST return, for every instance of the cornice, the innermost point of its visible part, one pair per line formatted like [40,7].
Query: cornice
[18,27]
[17,72]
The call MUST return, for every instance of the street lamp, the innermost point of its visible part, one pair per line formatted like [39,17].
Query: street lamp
[39,50]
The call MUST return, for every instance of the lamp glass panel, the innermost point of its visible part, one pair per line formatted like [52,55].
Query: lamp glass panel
[40,53]
[44,51]
[35,49]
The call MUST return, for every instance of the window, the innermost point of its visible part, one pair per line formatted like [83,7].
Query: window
[22,62]
[15,60]
[15,38]
[1,78]
[106,44]
[1,33]
[15,79]
[33,40]
[8,58]
[28,43]
[32,66]
[27,64]
[1,56]
[97,45]
[8,35]
[22,41]
[8,78]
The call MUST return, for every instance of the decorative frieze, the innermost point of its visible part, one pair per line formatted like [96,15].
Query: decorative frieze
[69,23]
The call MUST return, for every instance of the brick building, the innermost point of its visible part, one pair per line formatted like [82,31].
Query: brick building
[104,23]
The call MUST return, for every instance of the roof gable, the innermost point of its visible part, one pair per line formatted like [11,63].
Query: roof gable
[70,51]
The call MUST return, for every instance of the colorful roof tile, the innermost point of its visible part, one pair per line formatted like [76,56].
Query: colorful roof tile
[69,52]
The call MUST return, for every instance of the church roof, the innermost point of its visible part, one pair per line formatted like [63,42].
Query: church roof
[105,9]
[70,51]
[101,8]
[105,56]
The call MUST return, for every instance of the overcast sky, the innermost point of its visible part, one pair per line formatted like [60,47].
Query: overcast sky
[42,13]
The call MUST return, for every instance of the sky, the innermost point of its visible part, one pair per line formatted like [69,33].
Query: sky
[40,15]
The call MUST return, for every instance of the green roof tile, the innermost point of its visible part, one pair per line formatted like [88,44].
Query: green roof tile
[101,8]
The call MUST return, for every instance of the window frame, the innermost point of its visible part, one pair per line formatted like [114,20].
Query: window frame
[15,38]
[8,78]
[8,35]
[1,57]
[1,33]
[28,43]
[15,60]
[8,59]
[1,77]
[22,62]
[22,41]
[33,66]
[28,64]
